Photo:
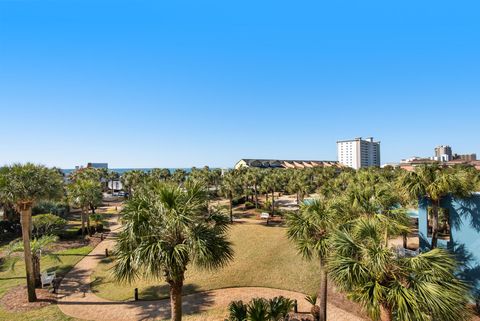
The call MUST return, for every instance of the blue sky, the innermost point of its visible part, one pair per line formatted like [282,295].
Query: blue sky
[189,83]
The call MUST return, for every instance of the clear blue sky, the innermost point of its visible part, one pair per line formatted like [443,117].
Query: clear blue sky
[182,83]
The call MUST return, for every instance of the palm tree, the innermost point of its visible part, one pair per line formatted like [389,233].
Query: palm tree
[311,231]
[132,179]
[38,247]
[391,287]
[272,183]
[434,183]
[231,187]
[167,228]
[24,185]
[87,195]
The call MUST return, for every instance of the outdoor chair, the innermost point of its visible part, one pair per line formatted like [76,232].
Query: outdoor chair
[47,278]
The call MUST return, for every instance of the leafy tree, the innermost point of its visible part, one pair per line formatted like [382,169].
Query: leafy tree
[272,183]
[179,176]
[390,287]
[166,228]
[45,224]
[39,247]
[25,185]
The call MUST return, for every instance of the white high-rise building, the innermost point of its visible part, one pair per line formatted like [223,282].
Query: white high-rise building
[358,152]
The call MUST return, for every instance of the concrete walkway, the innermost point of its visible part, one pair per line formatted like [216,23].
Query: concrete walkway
[76,299]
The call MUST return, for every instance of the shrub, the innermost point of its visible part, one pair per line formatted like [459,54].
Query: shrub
[44,224]
[267,206]
[249,205]
[56,208]
[238,200]
[260,309]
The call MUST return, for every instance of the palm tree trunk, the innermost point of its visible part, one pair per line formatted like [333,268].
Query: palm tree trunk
[230,203]
[323,291]
[25,215]
[405,240]
[256,195]
[435,224]
[82,215]
[385,314]
[176,300]
[36,270]
[273,203]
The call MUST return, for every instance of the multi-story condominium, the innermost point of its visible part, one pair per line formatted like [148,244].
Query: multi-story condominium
[358,152]
[443,153]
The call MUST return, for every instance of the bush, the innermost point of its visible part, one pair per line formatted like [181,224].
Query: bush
[260,309]
[56,208]
[9,230]
[267,206]
[238,200]
[249,205]
[47,224]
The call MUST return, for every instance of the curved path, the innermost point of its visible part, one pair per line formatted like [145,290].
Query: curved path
[76,299]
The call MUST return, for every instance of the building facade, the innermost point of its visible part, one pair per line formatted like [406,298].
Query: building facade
[443,153]
[358,153]
[280,163]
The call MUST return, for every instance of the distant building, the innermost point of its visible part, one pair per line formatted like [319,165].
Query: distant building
[358,153]
[465,157]
[97,165]
[443,153]
[278,163]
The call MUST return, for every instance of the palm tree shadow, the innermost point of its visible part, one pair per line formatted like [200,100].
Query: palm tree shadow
[465,210]
[191,303]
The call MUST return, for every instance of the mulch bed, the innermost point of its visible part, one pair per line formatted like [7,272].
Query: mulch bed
[15,300]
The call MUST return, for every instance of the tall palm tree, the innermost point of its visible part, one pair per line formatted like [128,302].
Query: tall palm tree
[434,183]
[391,287]
[24,185]
[231,187]
[272,183]
[311,231]
[87,195]
[167,228]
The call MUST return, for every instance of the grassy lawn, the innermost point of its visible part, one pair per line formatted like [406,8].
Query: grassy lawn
[263,257]
[10,279]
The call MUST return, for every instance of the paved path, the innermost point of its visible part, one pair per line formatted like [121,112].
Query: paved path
[77,300]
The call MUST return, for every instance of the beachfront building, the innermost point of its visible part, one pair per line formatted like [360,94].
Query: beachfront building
[97,165]
[358,153]
[278,163]
[443,153]
[459,231]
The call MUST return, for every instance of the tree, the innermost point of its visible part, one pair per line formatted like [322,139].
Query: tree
[87,195]
[434,183]
[179,176]
[231,187]
[272,183]
[24,185]
[132,179]
[166,228]
[391,287]
[311,231]
[38,247]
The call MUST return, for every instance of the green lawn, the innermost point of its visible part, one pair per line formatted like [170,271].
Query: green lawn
[9,279]
[263,257]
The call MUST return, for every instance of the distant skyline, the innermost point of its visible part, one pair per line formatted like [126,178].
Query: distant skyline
[180,84]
